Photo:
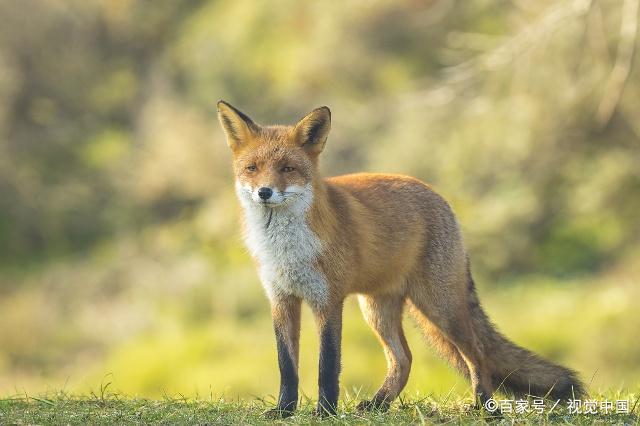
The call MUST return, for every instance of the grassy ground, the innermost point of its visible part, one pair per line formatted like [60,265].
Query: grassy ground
[113,409]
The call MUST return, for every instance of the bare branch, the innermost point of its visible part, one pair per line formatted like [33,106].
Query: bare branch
[622,67]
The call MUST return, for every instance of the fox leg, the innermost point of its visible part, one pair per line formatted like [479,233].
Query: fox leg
[441,343]
[471,351]
[329,321]
[452,319]
[285,312]
[384,316]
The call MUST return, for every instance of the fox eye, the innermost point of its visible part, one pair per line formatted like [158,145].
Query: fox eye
[287,169]
[252,168]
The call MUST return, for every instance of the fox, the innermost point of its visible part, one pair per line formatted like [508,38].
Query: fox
[389,239]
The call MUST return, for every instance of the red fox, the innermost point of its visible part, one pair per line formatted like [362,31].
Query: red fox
[391,240]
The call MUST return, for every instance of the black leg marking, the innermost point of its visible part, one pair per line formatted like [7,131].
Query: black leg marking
[286,324]
[288,399]
[328,379]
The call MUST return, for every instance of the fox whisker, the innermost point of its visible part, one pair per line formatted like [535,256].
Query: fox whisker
[296,196]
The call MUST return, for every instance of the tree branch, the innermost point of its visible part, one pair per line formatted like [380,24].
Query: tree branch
[622,67]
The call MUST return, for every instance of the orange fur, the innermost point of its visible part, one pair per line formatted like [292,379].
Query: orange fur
[389,238]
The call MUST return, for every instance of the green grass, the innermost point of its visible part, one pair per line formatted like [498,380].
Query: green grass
[116,409]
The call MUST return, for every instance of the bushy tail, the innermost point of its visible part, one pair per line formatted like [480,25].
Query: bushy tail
[517,370]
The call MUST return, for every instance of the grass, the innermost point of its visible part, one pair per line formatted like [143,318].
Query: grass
[117,409]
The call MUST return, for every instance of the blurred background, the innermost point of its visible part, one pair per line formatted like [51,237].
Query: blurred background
[120,253]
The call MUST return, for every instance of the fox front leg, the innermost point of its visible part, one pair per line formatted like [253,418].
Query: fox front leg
[286,323]
[329,320]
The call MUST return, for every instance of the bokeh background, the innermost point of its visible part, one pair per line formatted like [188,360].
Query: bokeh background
[121,261]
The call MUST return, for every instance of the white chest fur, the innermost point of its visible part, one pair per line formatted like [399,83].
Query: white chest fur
[286,249]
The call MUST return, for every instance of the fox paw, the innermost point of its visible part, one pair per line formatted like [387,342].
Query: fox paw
[372,405]
[277,413]
[324,411]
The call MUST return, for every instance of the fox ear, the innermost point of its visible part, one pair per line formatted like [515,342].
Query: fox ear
[237,125]
[311,132]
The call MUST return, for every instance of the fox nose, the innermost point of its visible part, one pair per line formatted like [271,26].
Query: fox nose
[265,193]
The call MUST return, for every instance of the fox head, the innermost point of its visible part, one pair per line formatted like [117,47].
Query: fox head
[274,166]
